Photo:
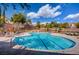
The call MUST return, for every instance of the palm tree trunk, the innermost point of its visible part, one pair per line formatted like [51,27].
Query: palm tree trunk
[0,12]
[4,14]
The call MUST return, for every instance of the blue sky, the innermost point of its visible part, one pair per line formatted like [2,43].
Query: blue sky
[45,12]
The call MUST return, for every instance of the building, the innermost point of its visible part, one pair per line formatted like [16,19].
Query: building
[72,25]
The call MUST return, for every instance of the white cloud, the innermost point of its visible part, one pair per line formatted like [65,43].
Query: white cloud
[32,15]
[45,11]
[41,23]
[72,16]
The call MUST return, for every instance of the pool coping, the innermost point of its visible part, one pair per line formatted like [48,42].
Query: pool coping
[73,50]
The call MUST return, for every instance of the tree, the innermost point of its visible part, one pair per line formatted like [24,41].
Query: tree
[29,21]
[38,24]
[4,7]
[47,26]
[64,25]
[77,24]
[2,21]
[19,18]
[42,25]
[54,24]
[50,25]
[0,11]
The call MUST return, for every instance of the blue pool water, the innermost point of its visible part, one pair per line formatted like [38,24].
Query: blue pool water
[44,41]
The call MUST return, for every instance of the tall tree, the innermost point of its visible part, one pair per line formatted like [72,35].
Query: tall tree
[77,24]
[54,24]
[2,21]
[0,11]
[29,21]
[47,26]
[19,18]
[3,9]
[38,24]
[64,25]
[5,6]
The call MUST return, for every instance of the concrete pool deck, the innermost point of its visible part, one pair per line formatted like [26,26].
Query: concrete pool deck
[73,50]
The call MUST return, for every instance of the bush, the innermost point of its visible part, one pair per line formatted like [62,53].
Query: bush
[77,25]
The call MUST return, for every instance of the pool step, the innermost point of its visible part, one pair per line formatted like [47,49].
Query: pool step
[18,47]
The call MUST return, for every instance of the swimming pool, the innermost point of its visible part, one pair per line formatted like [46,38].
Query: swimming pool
[44,41]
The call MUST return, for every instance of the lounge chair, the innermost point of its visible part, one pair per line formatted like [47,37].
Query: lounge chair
[76,34]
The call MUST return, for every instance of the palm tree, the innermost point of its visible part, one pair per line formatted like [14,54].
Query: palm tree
[19,18]
[38,24]
[29,21]
[2,21]
[0,11]
[47,27]
[4,7]
[23,6]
